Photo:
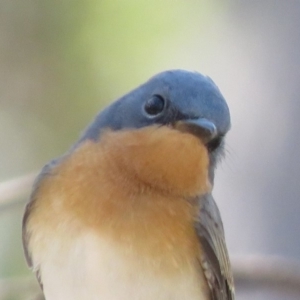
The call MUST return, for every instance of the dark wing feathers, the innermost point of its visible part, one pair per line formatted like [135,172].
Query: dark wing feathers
[46,171]
[214,261]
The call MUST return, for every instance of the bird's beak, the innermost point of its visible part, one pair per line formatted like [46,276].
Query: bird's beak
[202,128]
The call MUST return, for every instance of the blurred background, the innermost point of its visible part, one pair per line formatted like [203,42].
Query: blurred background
[62,61]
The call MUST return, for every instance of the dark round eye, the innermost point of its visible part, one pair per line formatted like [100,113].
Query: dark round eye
[154,105]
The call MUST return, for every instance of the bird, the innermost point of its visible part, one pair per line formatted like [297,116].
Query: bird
[128,212]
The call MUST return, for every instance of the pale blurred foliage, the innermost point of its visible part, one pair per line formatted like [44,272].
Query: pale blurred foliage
[62,61]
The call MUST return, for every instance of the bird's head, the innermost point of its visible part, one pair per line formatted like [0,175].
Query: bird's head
[186,101]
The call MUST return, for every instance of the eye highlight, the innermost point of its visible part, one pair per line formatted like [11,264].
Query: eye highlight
[154,105]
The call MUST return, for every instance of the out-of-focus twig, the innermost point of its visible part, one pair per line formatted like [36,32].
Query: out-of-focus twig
[273,272]
[15,190]
[25,288]
[249,271]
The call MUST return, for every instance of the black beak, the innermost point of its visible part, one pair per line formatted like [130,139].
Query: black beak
[204,129]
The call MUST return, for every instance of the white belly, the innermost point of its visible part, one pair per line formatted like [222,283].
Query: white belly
[93,269]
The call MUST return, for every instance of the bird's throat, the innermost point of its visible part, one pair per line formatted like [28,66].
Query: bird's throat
[133,188]
[158,158]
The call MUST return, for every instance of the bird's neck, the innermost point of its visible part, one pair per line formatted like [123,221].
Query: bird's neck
[133,188]
[158,158]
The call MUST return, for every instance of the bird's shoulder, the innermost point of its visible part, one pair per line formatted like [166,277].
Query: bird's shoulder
[214,258]
[45,173]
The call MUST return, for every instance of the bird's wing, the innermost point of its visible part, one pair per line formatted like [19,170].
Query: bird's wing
[25,235]
[214,259]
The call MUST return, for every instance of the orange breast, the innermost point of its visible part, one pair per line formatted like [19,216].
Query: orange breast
[135,188]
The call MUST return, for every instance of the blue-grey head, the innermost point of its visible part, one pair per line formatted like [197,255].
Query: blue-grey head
[188,101]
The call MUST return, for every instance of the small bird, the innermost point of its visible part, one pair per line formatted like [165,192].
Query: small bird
[127,212]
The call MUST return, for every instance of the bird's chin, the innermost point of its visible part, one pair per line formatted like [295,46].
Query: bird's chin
[160,157]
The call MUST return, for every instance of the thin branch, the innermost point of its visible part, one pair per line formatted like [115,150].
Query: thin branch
[250,272]
[267,272]
[15,190]
[19,288]
[259,271]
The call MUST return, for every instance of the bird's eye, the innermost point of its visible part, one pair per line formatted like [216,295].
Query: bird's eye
[154,105]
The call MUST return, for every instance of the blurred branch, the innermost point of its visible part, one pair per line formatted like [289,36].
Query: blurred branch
[259,271]
[19,288]
[251,272]
[13,191]
[271,272]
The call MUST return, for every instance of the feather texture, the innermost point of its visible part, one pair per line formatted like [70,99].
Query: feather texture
[91,222]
